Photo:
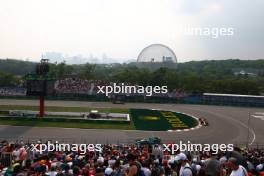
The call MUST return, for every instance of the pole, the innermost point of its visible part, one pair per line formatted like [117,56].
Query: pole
[41,106]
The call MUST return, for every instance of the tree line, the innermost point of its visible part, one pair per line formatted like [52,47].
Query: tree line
[193,77]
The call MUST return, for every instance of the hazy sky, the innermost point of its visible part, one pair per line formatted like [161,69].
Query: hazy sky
[122,28]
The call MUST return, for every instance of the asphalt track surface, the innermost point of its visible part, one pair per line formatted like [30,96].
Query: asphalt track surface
[226,125]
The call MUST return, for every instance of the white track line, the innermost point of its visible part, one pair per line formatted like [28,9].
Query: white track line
[259,113]
[237,121]
[247,127]
[258,117]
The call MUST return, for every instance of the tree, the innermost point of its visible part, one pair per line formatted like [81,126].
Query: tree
[61,70]
[7,79]
[87,71]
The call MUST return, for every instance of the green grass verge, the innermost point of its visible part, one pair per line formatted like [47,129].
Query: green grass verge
[67,125]
[4,113]
[63,109]
[158,120]
[64,124]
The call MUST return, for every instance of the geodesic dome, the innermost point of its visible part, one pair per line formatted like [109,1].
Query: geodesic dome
[157,53]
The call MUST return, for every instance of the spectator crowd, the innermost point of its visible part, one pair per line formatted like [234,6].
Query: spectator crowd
[13,91]
[74,86]
[129,160]
[79,87]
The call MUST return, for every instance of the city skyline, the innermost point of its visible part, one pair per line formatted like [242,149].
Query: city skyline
[122,28]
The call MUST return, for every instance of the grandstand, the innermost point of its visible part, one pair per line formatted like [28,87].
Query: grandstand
[70,88]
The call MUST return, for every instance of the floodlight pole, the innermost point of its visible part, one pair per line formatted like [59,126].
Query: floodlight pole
[41,106]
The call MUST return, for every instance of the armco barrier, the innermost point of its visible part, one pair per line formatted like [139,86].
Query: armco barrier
[140,99]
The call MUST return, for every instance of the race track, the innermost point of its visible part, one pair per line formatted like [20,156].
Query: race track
[226,125]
